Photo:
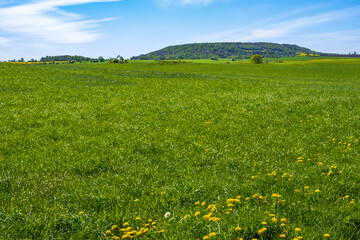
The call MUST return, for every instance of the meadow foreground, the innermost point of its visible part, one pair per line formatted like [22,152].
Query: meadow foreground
[225,151]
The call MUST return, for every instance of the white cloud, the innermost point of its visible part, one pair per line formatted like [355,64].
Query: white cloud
[270,31]
[43,19]
[183,2]
[350,35]
[4,41]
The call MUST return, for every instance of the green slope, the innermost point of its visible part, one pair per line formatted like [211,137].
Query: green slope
[236,50]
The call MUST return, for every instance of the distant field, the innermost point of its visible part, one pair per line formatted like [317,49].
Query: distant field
[231,151]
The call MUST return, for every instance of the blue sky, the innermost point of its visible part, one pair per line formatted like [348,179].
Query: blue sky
[36,28]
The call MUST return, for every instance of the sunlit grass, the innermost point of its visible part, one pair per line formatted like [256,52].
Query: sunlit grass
[189,151]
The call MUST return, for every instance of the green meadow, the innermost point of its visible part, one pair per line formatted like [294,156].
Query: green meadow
[199,150]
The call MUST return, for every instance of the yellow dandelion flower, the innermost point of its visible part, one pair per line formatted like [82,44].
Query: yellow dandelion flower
[262,230]
[197,214]
[282,236]
[317,191]
[114,227]
[297,229]
[136,200]
[208,216]
[203,203]
[125,224]
[264,223]
[213,234]
[233,200]
[215,219]
[347,196]
[283,220]
[206,237]
[283,224]
[274,220]
[115,237]
[108,232]
[137,218]
[149,220]
[326,235]
[238,229]
[161,231]
[81,212]
[197,203]
[186,216]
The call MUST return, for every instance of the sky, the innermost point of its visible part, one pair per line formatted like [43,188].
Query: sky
[108,28]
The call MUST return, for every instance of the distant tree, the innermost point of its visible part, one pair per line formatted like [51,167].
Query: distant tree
[256,59]
[101,59]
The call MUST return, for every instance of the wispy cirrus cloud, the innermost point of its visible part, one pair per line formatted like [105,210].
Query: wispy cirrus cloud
[184,2]
[4,41]
[45,20]
[268,30]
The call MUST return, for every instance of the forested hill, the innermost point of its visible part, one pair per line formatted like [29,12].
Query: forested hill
[236,50]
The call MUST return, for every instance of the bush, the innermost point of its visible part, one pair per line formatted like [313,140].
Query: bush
[256,59]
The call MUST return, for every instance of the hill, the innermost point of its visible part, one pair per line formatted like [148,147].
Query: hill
[233,50]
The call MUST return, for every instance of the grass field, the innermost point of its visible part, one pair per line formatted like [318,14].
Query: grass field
[231,151]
